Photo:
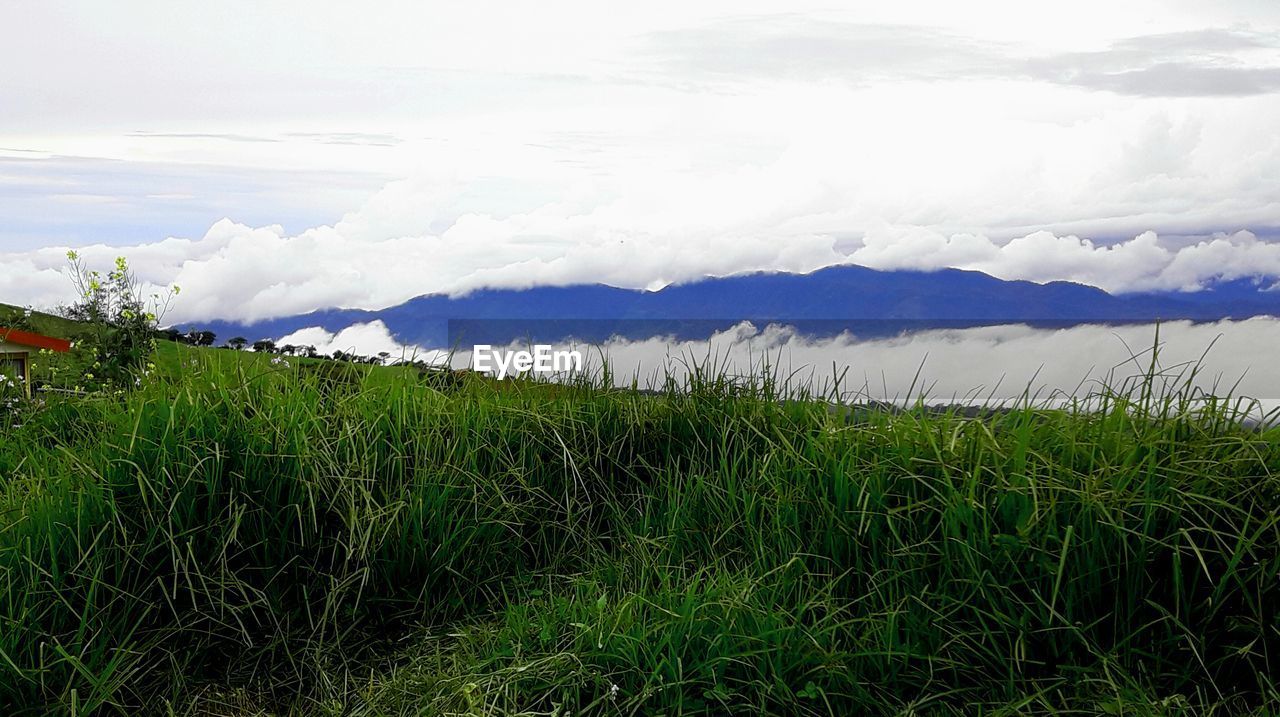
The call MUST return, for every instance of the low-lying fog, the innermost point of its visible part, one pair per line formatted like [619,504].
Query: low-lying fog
[999,362]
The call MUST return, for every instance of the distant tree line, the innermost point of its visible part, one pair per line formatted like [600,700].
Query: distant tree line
[201,337]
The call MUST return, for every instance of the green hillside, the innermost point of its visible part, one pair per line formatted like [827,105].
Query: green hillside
[44,323]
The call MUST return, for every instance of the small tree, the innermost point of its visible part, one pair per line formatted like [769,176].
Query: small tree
[237,342]
[196,337]
[119,323]
[264,346]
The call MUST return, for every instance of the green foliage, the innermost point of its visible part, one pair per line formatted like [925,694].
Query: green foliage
[26,319]
[12,393]
[119,324]
[45,367]
[19,319]
[13,389]
[242,537]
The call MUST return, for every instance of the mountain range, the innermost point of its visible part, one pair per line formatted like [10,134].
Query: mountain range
[867,302]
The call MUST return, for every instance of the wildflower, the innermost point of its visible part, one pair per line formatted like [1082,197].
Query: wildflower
[613,691]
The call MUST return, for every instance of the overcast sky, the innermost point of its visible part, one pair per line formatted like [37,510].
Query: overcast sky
[273,158]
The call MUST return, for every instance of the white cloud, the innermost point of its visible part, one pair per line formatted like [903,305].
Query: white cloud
[1137,264]
[370,339]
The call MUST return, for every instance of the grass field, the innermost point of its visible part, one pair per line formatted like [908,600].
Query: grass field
[45,323]
[242,538]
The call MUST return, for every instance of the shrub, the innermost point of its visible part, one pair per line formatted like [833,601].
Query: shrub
[120,323]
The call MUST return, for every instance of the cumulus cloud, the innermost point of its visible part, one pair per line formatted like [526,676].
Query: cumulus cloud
[368,339]
[1137,264]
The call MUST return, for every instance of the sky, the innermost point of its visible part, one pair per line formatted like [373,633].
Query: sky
[275,158]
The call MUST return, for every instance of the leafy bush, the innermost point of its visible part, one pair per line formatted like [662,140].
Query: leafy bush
[119,323]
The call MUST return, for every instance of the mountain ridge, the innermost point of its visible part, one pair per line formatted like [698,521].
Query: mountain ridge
[829,300]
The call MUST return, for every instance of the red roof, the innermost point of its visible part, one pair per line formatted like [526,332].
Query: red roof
[39,341]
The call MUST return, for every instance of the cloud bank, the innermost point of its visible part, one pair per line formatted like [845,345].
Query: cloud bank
[252,273]
[998,363]
[994,363]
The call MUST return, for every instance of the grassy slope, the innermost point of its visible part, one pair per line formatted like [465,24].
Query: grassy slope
[47,324]
[243,538]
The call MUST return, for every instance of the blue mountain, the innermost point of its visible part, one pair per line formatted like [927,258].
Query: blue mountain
[865,301]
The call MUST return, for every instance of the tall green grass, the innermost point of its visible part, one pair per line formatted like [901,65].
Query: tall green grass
[240,538]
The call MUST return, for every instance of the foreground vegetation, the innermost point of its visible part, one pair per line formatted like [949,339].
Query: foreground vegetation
[237,536]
